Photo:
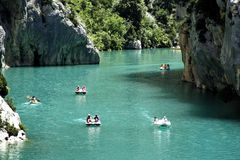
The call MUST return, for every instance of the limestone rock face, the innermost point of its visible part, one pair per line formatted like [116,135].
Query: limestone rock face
[9,118]
[41,34]
[210,43]
[2,48]
[230,55]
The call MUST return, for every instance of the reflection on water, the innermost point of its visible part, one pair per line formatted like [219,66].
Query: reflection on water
[93,136]
[11,151]
[164,72]
[161,136]
[80,99]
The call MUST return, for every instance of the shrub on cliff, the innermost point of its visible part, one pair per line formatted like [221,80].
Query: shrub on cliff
[1,122]
[3,86]
[11,130]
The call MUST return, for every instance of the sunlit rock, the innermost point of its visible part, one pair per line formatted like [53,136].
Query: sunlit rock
[42,34]
[210,43]
[10,122]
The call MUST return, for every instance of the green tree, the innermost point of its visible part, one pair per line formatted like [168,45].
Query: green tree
[132,10]
[106,29]
[113,24]
[153,36]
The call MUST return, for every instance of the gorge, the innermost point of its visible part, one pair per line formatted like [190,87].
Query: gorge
[42,33]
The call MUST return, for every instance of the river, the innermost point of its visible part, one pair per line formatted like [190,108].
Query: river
[126,90]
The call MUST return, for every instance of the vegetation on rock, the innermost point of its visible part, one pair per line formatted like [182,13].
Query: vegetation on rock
[113,24]
[3,86]
[11,130]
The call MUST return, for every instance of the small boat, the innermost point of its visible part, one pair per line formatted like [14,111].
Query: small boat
[33,100]
[164,67]
[93,123]
[81,91]
[162,122]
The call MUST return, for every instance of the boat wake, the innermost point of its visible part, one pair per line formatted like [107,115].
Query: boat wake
[81,120]
[146,115]
[30,104]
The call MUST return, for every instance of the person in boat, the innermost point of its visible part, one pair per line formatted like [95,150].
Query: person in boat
[164,66]
[165,118]
[33,99]
[78,88]
[89,119]
[161,66]
[84,89]
[155,119]
[96,118]
[167,66]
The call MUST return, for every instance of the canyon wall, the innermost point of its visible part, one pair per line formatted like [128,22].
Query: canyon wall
[210,44]
[40,33]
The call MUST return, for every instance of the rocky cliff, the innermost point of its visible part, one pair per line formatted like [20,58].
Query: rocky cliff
[210,43]
[10,124]
[39,33]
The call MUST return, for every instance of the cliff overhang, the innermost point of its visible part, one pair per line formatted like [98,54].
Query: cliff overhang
[210,44]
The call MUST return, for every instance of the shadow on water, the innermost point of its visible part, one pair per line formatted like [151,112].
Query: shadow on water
[206,104]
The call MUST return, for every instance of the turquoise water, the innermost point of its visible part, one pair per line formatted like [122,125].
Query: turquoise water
[126,90]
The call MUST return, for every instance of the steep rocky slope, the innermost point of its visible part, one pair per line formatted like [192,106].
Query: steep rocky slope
[10,124]
[39,33]
[210,44]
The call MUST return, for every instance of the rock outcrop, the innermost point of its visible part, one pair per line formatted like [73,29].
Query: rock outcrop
[10,124]
[210,44]
[134,45]
[2,48]
[40,33]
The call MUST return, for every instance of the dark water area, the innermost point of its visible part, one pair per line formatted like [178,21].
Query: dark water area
[187,92]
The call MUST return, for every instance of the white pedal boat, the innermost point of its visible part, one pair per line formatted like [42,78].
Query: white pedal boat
[162,122]
[98,123]
[82,92]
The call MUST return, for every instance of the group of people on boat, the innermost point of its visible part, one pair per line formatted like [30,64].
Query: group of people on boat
[81,90]
[164,67]
[93,120]
[33,99]
[162,121]
[155,119]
